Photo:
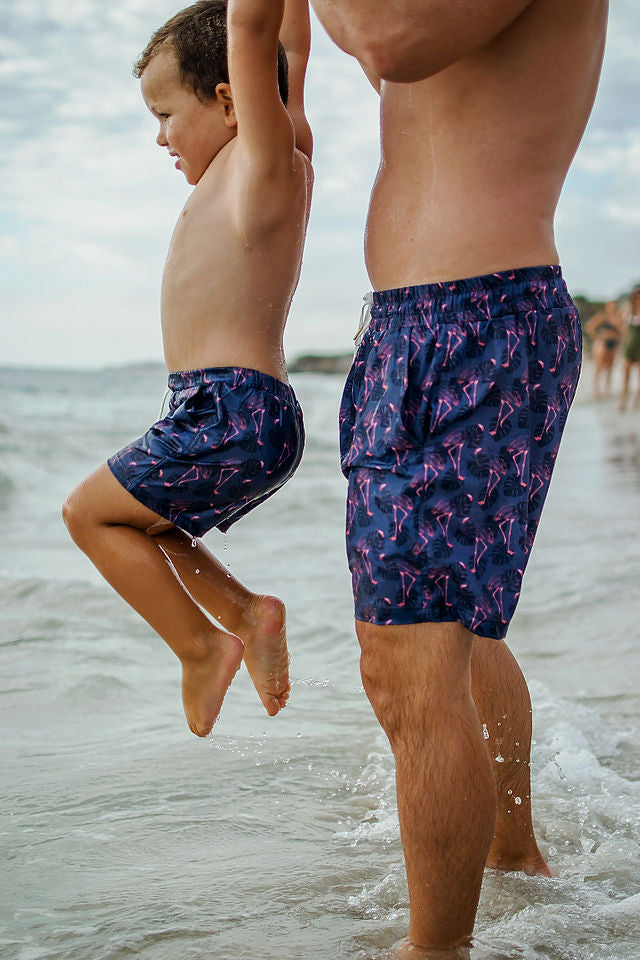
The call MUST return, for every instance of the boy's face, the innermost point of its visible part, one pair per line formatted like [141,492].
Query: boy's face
[192,131]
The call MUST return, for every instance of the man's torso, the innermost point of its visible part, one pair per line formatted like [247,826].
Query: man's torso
[474,157]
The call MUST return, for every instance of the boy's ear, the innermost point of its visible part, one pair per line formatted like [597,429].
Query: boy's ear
[224,98]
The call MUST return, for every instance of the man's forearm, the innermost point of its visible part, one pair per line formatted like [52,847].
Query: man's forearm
[295,32]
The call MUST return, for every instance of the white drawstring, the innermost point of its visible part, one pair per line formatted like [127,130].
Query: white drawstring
[365,319]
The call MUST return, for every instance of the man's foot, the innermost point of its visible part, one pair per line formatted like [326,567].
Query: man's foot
[265,651]
[205,680]
[405,950]
[534,864]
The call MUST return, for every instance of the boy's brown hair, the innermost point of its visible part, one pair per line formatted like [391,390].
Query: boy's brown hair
[198,37]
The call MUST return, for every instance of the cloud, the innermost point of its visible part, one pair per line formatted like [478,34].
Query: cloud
[89,201]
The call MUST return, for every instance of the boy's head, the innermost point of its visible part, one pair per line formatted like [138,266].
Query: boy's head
[197,36]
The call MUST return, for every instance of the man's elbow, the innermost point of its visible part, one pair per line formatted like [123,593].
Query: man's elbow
[402,56]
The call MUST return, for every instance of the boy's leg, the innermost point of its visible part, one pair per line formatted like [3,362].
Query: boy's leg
[259,620]
[417,678]
[504,707]
[109,525]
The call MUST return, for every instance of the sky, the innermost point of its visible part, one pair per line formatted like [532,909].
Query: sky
[88,200]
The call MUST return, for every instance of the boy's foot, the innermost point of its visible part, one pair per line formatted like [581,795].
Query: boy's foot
[265,651]
[205,680]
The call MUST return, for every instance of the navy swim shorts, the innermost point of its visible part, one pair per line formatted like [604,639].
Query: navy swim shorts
[231,438]
[450,424]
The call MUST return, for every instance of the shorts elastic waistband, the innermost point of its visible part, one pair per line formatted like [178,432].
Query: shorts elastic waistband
[234,376]
[491,295]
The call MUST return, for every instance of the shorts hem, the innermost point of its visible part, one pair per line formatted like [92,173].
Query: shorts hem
[487,633]
[147,501]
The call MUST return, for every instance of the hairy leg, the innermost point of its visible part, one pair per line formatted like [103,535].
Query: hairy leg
[504,707]
[417,678]
[109,525]
[258,619]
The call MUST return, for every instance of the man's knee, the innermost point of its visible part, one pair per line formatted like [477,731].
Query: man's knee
[413,675]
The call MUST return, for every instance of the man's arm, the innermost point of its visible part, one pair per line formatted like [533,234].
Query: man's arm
[409,40]
[295,36]
[265,129]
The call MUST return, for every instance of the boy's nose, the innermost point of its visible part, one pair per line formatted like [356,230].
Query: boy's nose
[161,140]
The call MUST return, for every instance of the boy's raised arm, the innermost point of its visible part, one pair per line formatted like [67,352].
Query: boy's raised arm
[264,127]
[295,36]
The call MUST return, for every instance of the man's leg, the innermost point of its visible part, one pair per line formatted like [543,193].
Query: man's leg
[504,707]
[257,619]
[109,525]
[418,679]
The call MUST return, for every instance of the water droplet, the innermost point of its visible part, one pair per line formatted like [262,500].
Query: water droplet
[194,542]
[517,743]
[499,758]
[229,576]
[517,800]
[552,851]
[485,732]
[197,571]
[509,792]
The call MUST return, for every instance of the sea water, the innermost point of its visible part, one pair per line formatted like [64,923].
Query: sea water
[122,835]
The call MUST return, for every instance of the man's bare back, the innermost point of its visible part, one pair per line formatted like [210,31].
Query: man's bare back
[475,155]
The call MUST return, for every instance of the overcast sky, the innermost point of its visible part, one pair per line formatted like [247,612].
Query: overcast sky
[88,201]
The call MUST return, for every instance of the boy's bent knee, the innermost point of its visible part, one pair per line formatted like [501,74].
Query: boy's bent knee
[75,516]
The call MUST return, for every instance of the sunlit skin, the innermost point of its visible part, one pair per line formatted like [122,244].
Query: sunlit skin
[482,109]
[231,271]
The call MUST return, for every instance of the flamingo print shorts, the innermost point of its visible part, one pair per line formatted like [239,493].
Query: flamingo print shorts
[231,438]
[450,424]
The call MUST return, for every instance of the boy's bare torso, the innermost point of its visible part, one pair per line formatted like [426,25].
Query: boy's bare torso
[233,266]
[474,157]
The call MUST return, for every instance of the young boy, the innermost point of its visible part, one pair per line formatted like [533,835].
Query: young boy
[234,432]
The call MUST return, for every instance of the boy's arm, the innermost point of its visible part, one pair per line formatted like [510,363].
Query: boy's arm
[409,40]
[265,129]
[295,36]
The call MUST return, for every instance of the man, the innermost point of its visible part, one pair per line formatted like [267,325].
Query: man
[453,411]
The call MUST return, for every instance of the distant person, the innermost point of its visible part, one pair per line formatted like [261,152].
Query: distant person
[234,432]
[453,411]
[631,352]
[606,329]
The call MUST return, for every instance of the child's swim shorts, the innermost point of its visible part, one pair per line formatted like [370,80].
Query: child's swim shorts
[231,438]
[450,424]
